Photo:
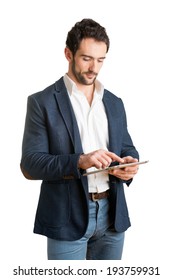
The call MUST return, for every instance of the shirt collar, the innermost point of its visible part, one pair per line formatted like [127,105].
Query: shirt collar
[71,86]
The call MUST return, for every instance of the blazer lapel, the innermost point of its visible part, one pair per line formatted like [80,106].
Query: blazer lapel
[113,122]
[68,115]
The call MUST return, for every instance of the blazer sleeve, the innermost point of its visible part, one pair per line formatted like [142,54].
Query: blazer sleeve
[128,148]
[37,162]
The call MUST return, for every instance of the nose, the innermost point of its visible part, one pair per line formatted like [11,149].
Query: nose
[93,66]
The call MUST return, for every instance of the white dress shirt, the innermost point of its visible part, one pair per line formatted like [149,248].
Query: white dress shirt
[93,127]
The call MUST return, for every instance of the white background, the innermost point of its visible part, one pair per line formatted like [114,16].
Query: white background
[138,68]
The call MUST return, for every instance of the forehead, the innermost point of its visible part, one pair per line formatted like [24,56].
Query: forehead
[91,47]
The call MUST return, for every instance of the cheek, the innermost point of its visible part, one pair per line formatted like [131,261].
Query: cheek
[100,66]
[81,66]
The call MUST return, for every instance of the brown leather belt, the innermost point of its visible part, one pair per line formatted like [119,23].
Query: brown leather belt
[97,196]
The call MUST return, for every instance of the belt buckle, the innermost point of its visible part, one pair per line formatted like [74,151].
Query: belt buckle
[93,197]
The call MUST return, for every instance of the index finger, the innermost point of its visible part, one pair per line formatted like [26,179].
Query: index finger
[114,157]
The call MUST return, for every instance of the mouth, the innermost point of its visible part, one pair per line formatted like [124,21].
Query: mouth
[90,75]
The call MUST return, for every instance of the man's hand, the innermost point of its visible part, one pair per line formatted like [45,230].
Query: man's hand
[126,173]
[99,159]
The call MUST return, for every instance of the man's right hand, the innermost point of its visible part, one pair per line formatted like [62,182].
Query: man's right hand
[99,159]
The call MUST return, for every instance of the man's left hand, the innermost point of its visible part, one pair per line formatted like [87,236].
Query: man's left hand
[126,173]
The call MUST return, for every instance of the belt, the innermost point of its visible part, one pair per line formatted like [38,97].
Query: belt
[97,196]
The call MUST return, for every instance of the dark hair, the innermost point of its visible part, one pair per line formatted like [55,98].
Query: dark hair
[86,28]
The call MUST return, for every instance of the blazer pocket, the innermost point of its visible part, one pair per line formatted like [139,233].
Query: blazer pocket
[54,205]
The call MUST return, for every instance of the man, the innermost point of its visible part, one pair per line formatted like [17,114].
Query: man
[72,127]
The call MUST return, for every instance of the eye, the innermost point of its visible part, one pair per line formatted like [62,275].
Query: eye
[100,60]
[86,58]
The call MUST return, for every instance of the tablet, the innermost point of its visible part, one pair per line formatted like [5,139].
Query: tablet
[115,167]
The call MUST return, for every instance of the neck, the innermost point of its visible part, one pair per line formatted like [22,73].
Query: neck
[88,90]
[89,93]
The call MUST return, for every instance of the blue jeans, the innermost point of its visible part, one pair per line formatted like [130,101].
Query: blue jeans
[100,242]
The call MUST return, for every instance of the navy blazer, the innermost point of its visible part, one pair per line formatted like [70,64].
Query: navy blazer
[50,152]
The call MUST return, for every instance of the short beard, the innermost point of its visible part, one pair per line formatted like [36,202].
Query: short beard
[80,78]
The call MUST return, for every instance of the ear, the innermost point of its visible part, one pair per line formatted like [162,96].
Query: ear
[68,54]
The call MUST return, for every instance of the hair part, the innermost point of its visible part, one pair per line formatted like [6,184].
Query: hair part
[86,28]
